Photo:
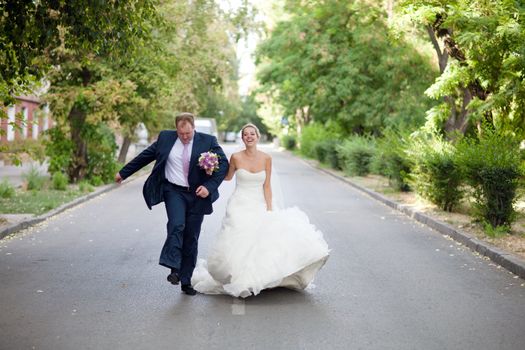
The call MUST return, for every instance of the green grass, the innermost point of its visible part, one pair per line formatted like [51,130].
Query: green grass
[36,202]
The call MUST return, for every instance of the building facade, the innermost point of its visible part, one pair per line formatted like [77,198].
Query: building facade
[35,119]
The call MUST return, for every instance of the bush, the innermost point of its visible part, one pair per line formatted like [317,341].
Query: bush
[437,176]
[85,186]
[101,152]
[6,189]
[289,142]
[96,181]
[59,181]
[311,135]
[325,151]
[355,155]
[35,181]
[491,165]
[59,150]
[34,148]
[392,161]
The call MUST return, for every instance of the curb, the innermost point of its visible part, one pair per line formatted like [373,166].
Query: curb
[38,219]
[505,259]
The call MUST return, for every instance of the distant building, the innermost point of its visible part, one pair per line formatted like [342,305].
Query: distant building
[36,116]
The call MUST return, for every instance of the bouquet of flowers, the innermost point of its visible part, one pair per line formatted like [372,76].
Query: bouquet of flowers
[209,162]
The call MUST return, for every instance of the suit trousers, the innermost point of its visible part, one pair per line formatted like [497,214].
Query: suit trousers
[184,227]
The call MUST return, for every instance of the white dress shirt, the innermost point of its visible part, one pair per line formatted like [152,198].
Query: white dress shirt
[174,172]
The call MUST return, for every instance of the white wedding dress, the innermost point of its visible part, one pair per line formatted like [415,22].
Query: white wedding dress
[258,249]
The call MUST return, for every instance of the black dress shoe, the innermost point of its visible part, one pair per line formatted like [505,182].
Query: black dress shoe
[188,289]
[173,278]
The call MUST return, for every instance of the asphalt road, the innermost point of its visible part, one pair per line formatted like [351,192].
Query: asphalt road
[89,279]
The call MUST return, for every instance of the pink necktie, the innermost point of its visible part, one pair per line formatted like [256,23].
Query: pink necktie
[185,160]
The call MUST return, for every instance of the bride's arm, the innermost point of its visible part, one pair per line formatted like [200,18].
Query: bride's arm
[231,168]
[267,184]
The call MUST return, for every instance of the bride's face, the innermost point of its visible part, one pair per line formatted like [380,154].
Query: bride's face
[249,136]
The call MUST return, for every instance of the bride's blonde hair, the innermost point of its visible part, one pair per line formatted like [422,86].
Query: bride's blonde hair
[250,125]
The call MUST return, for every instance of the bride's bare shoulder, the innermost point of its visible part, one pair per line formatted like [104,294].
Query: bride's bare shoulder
[236,155]
[267,157]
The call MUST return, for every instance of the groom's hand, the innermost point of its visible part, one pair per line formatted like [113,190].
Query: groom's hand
[202,192]
[118,178]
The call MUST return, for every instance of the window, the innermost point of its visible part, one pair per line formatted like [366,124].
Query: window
[46,118]
[25,113]
[11,112]
[35,124]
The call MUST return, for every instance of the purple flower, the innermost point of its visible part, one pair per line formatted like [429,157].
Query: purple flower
[209,162]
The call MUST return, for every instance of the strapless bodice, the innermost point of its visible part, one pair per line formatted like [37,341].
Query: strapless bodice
[247,178]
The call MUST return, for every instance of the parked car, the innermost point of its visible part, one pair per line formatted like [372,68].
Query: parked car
[230,136]
[207,126]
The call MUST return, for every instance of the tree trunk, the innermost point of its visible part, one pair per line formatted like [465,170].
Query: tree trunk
[77,119]
[458,120]
[442,54]
[124,149]
[79,164]
[459,115]
[301,120]
[389,8]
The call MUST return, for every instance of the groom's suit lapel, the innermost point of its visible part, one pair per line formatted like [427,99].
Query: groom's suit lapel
[169,145]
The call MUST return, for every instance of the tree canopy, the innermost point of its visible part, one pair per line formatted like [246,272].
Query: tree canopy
[481,49]
[337,61]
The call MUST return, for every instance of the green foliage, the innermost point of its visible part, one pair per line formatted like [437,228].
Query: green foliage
[355,155]
[59,181]
[313,134]
[437,176]
[84,186]
[35,202]
[483,78]
[289,141]
[100,150]
[101,153]
[97,180]
[58,149]
[34,148]
[6,189]
[336,60]
[496,232]
[492,166]
[34,180]
[187,63]
[391,159]
[36,33]
[325,151]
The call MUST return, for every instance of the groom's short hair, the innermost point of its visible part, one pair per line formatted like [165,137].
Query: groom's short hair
[186,118]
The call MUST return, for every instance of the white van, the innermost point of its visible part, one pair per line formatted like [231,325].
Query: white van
[207,126]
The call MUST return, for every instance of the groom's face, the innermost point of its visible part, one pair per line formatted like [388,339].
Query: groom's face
[185,132]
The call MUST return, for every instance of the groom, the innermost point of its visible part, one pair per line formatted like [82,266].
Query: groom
[187,191]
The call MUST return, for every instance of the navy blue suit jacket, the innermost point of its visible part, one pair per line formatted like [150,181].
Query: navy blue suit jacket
[160,150]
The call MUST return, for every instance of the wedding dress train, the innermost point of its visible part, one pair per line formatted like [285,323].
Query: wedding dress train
[258,249]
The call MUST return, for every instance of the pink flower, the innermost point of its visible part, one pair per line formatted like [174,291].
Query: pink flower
[209,162]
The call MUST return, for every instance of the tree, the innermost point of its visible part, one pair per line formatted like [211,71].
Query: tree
[336,61]
[71,42]
[33,33]
[480,47]
[183,57]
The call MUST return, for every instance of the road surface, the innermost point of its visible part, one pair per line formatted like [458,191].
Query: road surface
[89,279]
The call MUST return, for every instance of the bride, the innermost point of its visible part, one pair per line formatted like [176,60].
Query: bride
[258,246]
